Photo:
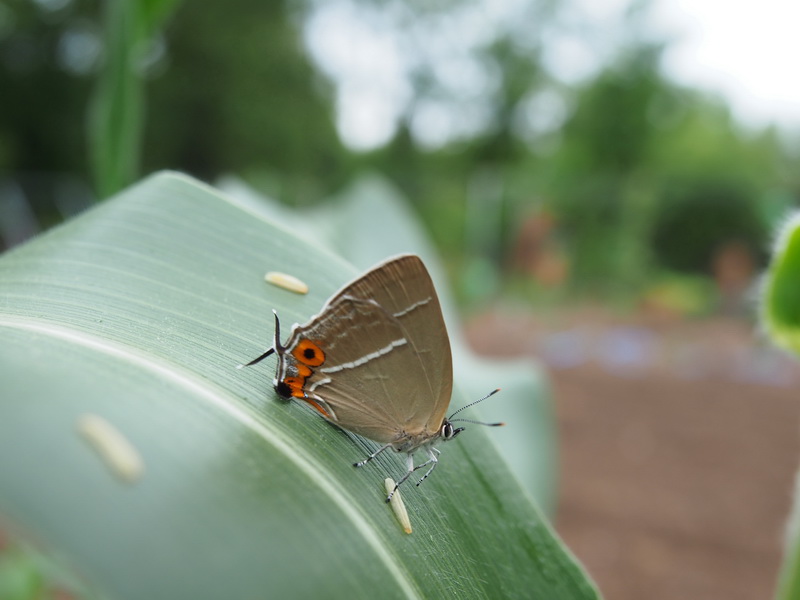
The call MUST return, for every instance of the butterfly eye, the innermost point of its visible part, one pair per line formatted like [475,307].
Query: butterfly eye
[447,431]
[308,353]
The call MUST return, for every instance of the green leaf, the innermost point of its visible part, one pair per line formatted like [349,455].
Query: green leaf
[780,303]
[780,316]
[139,312]
[789,579]
[116,112]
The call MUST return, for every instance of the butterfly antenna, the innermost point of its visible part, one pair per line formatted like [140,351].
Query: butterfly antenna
[276,344]
[489,395]
[498,424]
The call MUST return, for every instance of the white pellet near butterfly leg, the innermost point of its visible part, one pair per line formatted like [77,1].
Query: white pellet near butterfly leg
[409,471]
[433,460]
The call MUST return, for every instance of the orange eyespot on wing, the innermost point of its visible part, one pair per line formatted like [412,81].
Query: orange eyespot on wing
[303,371]
[308,353]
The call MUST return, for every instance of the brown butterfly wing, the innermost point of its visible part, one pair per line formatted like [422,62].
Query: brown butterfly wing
[388,367]
[403,287]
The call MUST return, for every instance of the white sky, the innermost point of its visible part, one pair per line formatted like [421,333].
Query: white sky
[745,51]
[748,51]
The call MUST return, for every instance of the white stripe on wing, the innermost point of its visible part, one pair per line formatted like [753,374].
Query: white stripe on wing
[366,358]
[412,307]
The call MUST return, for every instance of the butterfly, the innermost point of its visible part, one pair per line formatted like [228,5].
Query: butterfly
[376,361]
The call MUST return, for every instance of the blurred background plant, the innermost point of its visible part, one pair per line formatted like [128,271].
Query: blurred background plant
[604,186]
[617,186]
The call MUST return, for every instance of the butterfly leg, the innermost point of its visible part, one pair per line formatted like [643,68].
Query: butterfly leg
[433,453]
[409,471]
[361,463]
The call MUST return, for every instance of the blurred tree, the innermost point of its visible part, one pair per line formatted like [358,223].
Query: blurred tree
[598,184]
[48,55]
[238,94]
[699,218]
[629,163]
[716,186]
[650,175]
[612,126]
[471,169]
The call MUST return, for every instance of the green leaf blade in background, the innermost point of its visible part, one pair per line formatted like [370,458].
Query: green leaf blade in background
[780,306]
[139,311]
[780,318]
[116,113]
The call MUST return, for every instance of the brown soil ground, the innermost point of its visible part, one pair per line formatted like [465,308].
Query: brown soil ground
[678,446]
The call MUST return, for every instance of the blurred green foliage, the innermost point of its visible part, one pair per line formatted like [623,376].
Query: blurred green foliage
[780,319]
[238,94]
[116,114]
[26,573]
[780,291]
[640,176]
[650,175]
[36,134]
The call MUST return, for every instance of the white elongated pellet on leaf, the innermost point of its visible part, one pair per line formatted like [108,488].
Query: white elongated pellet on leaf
[287,282]
[113,447]
[397,505]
